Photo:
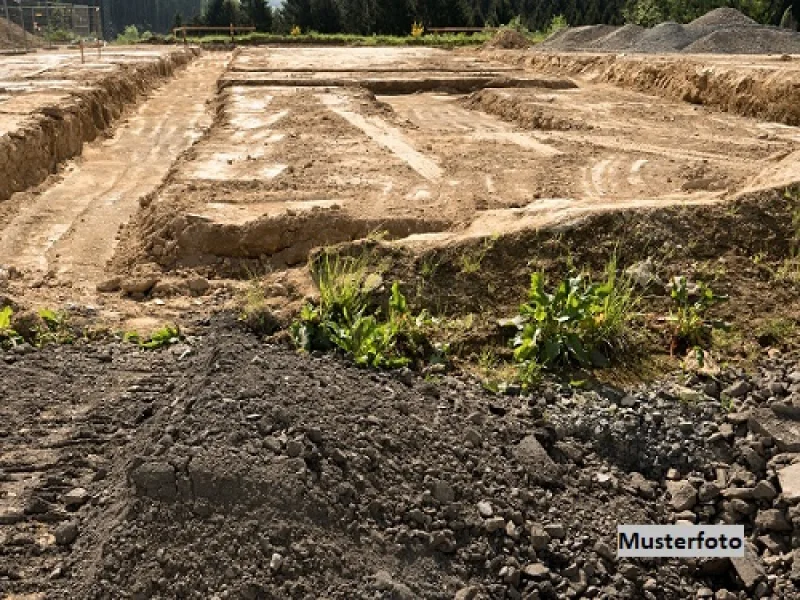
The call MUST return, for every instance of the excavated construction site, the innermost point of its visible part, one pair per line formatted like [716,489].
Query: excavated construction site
[151,186]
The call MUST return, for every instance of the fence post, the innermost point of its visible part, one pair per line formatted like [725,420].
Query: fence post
[24,31]
[232,40]
[185,40]
[83,59]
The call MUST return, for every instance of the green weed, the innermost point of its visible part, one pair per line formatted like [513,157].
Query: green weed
[346,319]
[691,325]
[164,336]
[579,321]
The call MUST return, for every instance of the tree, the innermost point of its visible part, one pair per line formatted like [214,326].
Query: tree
[259,13]
[297,13]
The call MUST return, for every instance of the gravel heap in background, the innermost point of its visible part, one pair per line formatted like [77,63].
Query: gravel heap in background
[242,470]
[721,31]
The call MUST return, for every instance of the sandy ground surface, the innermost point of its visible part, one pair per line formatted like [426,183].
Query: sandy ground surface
[287,155]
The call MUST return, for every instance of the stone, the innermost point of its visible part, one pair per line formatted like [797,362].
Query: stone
[495,524]
[109,285]
[539,537]
[708,491]
[443,491]
[76,497]
[294,448]
[66,533]
[749,567]
[198,285]
[764,490]
[785,432]
[485,509]
[393,589]
[276,562]
[738,389]
[140,285]
[473,437]
[789,480]
[537,463]
[772,519]
[535,570]
[683,495]
[556,530]
[603,550]
[643,273]
[467,593]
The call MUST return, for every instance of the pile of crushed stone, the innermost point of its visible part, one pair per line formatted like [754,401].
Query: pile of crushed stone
[226,468]
[507,39]
[721,31]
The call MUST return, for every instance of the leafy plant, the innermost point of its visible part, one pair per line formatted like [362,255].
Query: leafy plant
[56,328]
[691,325]
[346,319]
[579,321]
[8,337]
[471,261]
[295,31]
[159,338]
[417,29]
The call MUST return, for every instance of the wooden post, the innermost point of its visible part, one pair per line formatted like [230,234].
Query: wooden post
[232,40]
[185,40]
[83,59]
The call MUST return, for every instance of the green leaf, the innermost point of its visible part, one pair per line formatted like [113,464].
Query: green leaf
[5,318]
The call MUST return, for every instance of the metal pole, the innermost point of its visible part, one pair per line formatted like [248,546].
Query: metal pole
[24,31]
[5,6]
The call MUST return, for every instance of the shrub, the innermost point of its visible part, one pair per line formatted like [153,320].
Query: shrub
[295,31]
[689,316]
[417,29]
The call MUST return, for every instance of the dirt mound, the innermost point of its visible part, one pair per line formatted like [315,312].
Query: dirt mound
[509,108]
[577,38]
[507,39]
[12,36]
[665,37]
[722,17]
[747,40]
[621,39]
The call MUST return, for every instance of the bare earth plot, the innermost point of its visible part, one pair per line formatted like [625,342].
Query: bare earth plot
[301,158]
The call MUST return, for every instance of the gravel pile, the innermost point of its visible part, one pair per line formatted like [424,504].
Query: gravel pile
[663,38]
[721,31]
[228,468]
[620,39]
[577,38]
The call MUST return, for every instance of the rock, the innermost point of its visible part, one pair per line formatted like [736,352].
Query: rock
[485,509]
[643,273]
[683,494]
[394,589]
[788,408]
[467,593]
[66,533]
[604,551]
[749,567]
[789,480]
[294,448]
[764,490]
[198,285]
[473,437]
[786,433]
[708,491]
[9,516]
[738,389]
[155,480]
[556,530]
[76,497]
[772,520]
[539,537]
[535,571]
[495,524]
[109,285]
[795,573]
[276,562]
[538,465]
[139,285]
[443,491]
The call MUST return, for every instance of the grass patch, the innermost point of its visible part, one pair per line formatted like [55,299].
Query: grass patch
[347,319]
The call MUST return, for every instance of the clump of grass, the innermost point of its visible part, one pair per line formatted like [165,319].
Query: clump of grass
[254,311]
[577,321]
[692,326]
[472,261]
[8,337]
[346,318]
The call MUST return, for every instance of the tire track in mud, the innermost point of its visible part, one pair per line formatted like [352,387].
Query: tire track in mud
[69,230]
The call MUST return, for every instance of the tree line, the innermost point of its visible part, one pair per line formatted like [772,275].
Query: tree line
[395,17]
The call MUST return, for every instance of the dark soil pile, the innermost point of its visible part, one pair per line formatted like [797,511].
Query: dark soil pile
[233,469]
[507,39]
